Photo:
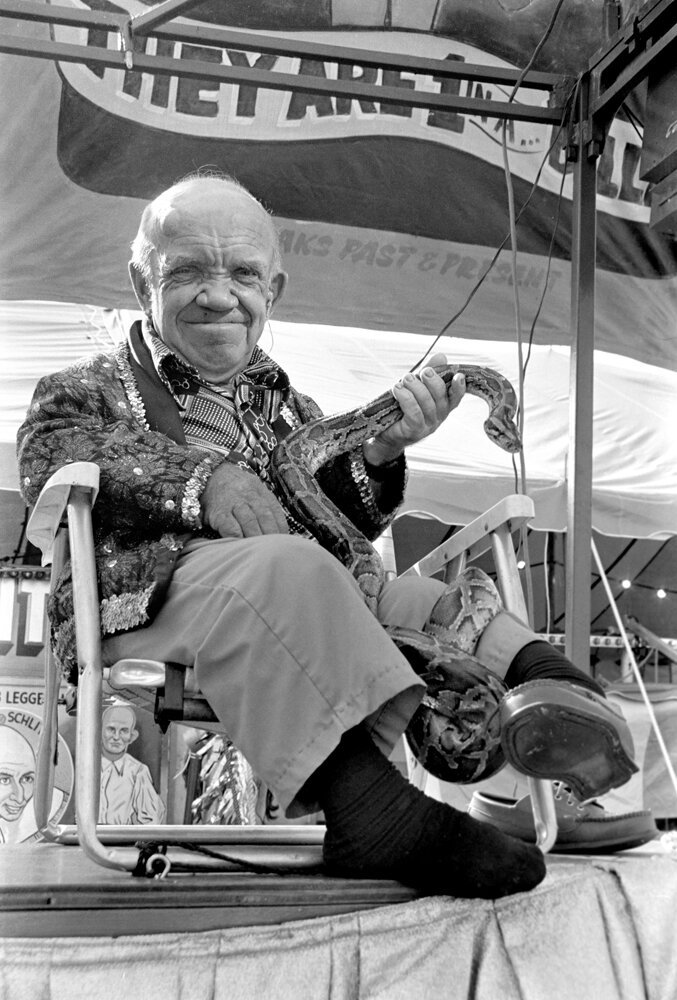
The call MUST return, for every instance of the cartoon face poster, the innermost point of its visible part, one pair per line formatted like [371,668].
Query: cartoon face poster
[19,738]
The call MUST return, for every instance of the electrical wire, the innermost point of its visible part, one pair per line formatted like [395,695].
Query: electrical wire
[635,669]
[476,287]
[520,478]
[634,120]
[546,580]
[522,483]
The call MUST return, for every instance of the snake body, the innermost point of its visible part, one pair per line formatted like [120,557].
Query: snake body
[297,458]
[454,731]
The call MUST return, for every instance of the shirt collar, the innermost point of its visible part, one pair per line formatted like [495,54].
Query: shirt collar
[182,378]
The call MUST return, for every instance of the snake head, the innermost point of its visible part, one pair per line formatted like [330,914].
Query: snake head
[501,428]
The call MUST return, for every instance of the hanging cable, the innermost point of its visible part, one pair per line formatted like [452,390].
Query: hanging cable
[546,580]
[635,669]
[476,287]
[522,479]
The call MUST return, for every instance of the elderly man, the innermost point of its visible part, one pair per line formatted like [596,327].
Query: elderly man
[200,563]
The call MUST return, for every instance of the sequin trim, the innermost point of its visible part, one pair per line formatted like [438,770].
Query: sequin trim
[125,611]
[289,416]
[190,504]
[129,385]
[361,480]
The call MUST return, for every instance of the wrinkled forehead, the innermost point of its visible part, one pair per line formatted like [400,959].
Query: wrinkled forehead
[213,210]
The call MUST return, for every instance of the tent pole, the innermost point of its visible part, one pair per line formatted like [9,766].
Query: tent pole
[579,477]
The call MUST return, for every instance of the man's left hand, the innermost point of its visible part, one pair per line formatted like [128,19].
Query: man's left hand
[426,401]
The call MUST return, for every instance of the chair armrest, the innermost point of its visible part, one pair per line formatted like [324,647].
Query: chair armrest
[474,539]
[48,512]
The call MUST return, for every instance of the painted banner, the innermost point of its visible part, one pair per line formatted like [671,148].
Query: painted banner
[389,215]
[23,596]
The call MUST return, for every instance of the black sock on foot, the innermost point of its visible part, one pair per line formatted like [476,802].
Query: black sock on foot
[539,660]
[380,826]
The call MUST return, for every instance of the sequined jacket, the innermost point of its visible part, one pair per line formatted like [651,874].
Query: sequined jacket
[112,409]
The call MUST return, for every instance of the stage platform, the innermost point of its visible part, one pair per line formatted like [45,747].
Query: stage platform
[597,928]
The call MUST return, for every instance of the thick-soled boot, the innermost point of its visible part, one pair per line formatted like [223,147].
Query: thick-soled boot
[555,721]
[380,826]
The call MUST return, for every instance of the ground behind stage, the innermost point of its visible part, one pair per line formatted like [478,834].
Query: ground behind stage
[597,928]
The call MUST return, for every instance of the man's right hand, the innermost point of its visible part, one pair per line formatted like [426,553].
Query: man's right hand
[236,504]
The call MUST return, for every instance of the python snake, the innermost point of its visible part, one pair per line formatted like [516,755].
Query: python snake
[454,732]
[297,458]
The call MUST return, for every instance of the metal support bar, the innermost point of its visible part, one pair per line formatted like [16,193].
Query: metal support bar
[579,471]
[610,100]
[160,14]
[540,790]
[166,66]
[215,36]
[617,68]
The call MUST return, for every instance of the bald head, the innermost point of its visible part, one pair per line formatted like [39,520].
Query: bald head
[206,272]
[118,730]
[206,193]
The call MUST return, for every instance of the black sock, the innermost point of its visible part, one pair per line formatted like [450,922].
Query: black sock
[380,826]
[540,660]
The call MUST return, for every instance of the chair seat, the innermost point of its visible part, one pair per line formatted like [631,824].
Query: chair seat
[177,695]
[147,674]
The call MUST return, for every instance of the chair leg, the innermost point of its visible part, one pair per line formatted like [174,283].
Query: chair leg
[88,729]
[47,748]
[540,791]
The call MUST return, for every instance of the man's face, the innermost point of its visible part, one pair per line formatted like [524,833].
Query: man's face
[117,732]
[17,784]
[213,281]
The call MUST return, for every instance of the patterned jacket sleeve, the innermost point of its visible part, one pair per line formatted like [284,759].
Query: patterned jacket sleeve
[344,481]
[148,482]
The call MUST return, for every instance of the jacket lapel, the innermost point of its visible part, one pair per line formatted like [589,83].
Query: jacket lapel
[162,412]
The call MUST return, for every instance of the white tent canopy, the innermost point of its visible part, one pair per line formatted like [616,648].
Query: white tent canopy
[458,472]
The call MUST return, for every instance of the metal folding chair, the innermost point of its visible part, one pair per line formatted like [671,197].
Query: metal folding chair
[72,492]
[492,531]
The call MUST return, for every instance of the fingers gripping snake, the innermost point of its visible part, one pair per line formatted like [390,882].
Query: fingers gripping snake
[298,457]
[454,732]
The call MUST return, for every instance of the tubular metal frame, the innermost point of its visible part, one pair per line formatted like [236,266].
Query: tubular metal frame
[284,847]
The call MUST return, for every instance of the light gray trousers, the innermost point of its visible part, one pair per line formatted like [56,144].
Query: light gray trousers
[286,651]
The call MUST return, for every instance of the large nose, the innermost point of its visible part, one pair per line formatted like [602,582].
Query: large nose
[217,294]
[17,793]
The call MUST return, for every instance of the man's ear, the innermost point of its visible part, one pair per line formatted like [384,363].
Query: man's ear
[134,736]
[276,289]
[140,286]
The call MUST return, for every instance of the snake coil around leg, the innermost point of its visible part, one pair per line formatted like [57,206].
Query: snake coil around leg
[454,733]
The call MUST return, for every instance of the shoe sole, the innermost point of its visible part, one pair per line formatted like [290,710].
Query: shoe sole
[544,737]
[577,846]
[602,847]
